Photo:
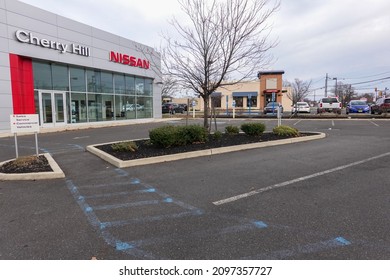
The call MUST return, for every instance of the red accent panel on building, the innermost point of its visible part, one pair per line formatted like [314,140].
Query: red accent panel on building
[22,84]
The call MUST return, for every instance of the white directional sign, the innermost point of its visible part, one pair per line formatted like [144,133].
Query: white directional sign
[24,123]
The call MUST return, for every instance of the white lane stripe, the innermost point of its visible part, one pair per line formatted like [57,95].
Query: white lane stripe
[297,122]
[283,184]
[332,122]
[374,123]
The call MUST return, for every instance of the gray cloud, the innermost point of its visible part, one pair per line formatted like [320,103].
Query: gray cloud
[347,38]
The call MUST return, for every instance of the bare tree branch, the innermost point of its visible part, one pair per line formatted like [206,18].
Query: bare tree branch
[300,90]
[225,40]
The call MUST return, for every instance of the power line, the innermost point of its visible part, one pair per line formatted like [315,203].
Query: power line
[368,76]
[366,82]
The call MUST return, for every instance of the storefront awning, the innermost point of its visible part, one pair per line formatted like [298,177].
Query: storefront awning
[244,94]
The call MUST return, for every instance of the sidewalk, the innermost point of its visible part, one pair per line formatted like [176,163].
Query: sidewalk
[80,126]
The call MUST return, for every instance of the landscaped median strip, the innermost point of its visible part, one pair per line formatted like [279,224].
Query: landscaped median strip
[136,162]
[56,173]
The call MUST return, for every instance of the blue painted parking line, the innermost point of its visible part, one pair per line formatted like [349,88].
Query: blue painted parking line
[199,234]
[121,246]
[260,224]
[304,249]
[68,148]
[147,219]
[126,205]
[104,227]
[106,235]
[106,195]
[132,182]
[137,247]
[121,172]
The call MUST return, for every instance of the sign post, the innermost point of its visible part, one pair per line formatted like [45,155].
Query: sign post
[25,124]
[273,103]
[279,115]
[227,105]
[234,108]
[193,108]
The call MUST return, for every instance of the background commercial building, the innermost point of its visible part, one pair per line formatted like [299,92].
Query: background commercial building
[248,97]
[71,73]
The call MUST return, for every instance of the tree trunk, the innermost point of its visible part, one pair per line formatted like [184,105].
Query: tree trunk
[205,112]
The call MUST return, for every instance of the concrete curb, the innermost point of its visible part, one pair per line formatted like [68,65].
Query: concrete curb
[55,174]
[136,162]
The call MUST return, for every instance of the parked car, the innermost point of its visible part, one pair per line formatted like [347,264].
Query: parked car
[184,106]
[172,108]
[300,107]
[133,107]
[382,105]
[329,104]
[357,106]
[272,108]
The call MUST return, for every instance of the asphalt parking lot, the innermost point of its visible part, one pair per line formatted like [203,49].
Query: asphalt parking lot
[324,199]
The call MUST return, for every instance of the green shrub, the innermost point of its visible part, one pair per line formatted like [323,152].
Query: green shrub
[168,136]
[164,136]
[287,131]
[191,134]
[217,135]
[129,146]
[253,129]
[232,129]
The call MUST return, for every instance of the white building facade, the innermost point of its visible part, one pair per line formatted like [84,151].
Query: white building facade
[71,73]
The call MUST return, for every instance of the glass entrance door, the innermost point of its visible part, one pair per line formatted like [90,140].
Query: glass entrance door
[52,108]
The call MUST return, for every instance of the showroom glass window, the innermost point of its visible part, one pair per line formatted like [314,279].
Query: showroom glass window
[42,75]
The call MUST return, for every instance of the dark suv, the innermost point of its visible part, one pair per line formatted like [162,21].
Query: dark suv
[171,108]
[382,105]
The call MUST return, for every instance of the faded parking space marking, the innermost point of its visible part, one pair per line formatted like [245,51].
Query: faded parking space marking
[303,249]
[296,180]
[377,125]
[297,122]
[120,234]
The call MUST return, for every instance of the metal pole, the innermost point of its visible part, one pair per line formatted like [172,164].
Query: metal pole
[188,108]
[326,85]
[36,144]
[227,105]
[16,145]
[193,109]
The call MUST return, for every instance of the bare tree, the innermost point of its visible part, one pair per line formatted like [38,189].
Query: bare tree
[345,92]
[225,40]
[300,90]
[169,86]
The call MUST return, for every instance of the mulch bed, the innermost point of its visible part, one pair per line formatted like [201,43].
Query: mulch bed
[28,164]
[145,149]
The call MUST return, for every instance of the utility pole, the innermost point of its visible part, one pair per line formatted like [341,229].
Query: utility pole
[326,85]
[335,88]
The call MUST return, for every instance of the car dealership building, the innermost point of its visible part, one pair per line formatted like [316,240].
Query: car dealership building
[70,73]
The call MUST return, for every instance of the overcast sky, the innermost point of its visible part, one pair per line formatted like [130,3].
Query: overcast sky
[348,39]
